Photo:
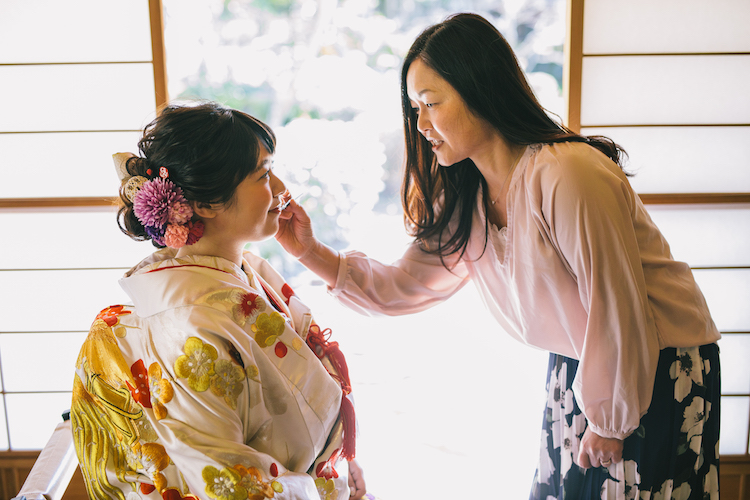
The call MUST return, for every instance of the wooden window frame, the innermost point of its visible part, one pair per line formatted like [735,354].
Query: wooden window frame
[735,469]
[161,98]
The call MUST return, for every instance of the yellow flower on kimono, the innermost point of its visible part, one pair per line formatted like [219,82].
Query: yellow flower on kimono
[252,372]
[197,364]
[326,488]
[253,482]
[146,432]
[151,459]
[161,391]
[228,381]
[267,328]
[223,484]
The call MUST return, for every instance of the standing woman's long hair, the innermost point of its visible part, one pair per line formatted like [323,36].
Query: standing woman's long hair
[469,53]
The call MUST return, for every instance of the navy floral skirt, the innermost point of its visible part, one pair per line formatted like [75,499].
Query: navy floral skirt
[674,454]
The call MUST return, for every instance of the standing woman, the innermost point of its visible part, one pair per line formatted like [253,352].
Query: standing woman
[216,383]
[566,258]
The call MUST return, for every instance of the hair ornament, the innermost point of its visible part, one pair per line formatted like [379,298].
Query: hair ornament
[132,185]
[159,205]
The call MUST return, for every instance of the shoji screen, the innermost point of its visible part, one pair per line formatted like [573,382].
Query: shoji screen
[670,81]
[78,81]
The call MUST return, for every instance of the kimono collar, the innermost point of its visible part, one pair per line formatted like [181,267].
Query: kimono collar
[153,286]
[165,259]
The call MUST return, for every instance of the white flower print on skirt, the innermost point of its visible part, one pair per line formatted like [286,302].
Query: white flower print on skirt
[657,464]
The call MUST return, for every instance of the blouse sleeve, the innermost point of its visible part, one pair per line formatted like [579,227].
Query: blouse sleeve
[590,207]
[415,282]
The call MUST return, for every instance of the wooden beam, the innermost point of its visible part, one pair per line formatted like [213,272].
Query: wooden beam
[695,198]
[159,60]
[573,66]
[57,203]
[113,202]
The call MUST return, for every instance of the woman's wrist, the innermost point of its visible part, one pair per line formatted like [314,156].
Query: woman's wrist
[322,260]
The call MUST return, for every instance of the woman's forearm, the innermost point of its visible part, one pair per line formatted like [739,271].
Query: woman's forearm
[323,261]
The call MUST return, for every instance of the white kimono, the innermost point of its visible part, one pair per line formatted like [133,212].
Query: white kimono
[207,388]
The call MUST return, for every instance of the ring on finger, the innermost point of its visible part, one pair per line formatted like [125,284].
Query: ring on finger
[607,463]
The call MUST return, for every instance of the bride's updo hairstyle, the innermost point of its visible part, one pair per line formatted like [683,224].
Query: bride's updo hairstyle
[205,150]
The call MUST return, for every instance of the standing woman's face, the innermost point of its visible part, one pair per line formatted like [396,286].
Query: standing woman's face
[444,119]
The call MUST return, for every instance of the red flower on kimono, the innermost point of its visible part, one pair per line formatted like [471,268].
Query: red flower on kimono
[326,469]
[249,303]
[111,314]
[146,488]
[141,391]
[174,494]
[280,349]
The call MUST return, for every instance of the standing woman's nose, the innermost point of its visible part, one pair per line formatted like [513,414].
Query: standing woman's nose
[277,185]
[423,123]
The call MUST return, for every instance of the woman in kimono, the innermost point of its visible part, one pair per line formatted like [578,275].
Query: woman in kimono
[546,225]
[216,383]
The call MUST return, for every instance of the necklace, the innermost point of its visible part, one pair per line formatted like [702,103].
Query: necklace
[515,162]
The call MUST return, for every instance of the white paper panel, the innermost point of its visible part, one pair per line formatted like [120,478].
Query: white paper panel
[78,97]
[33,31]
[665,90]
[735,412]
[56,300]
[66,164]
[684,159]
[33,417]
[735,351]
[715,235]
[28,367]
[65,240]
[665,26]
[727,293]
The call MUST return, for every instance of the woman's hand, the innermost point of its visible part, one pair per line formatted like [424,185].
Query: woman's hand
[357,488]
[295,232]
[597,451]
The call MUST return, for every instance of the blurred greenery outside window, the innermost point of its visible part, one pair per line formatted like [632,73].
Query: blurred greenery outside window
[325,75]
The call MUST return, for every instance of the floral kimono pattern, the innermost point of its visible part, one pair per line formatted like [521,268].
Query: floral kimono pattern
[673,455]
[217,384]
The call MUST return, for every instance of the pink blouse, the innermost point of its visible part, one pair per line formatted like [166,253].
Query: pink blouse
[580,270]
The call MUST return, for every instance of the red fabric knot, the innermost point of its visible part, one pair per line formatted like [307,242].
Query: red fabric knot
[317,340]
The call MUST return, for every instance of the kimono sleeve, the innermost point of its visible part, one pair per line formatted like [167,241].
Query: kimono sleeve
[589,206]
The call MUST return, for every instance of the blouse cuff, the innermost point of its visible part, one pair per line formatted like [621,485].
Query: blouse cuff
[341,276]
[611,434]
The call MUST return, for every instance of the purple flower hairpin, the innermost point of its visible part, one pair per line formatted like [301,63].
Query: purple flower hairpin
[159,204]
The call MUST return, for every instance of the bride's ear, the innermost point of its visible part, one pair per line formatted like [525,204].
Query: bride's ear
[205,210]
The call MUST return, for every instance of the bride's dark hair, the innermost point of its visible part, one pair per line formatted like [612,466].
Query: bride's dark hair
[208,150]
